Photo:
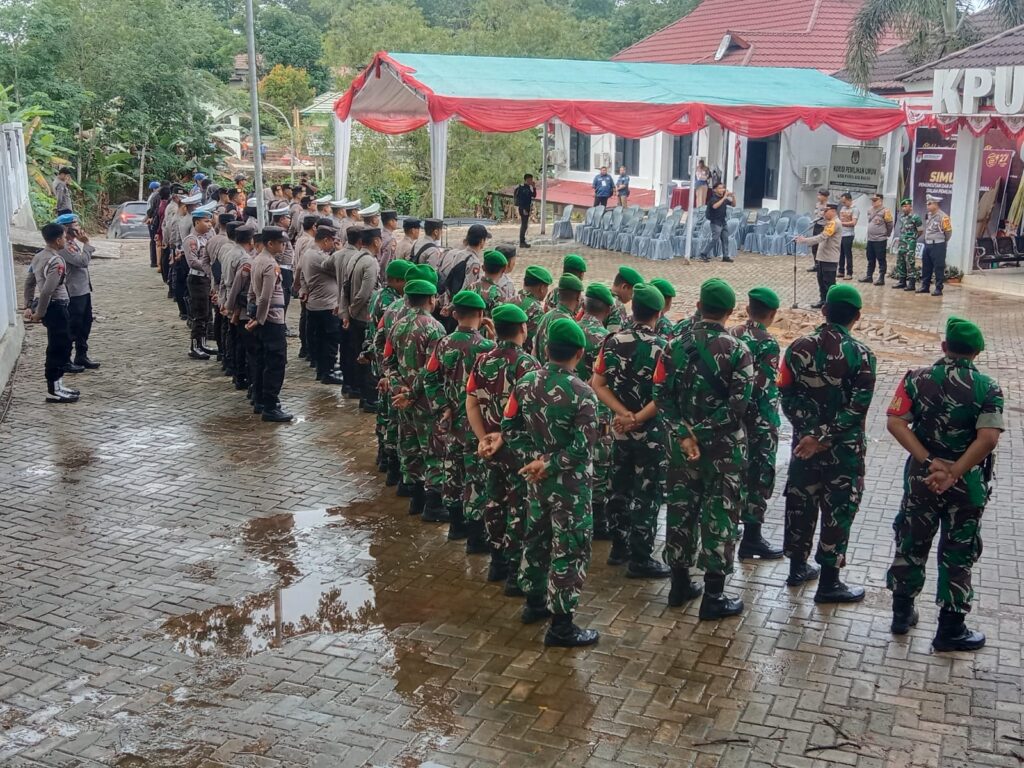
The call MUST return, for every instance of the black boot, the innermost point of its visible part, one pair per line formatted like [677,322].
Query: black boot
[753,544]
[381,465]
[684,588]
[953,634]
[277,414]
[800,571]
[619,553]
[564,634]
[647,568]
[394,476]
[512,584]
[904,615]
[901,284]
[303,353]
[457,522]
[498,569]
[208,350]
[434,510]
[536,609]
[195,352]
[716,604]
[911,285]
[85,362]
[601,532]
[476,538]
[417,498]
[832,590]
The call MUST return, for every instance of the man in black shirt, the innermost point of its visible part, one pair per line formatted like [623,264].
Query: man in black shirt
[524,195]
[718,201]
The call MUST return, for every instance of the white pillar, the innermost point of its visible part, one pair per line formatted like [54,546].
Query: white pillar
[342,148]
[694,153]
[544,179]
[963,208]
[662,167]
[893,146]
[438,163]
[8,296]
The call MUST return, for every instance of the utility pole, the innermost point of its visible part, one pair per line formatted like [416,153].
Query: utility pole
[254,111]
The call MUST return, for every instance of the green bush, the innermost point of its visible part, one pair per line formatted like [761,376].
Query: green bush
[43,206]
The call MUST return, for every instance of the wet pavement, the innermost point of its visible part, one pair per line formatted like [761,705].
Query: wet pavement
[184,585]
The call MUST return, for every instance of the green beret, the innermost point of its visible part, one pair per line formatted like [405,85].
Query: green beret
[565,331]
[422,272]
[494,258]
[648,296]
[468,300]
[420,288]
[843,293]
[569,282]
[906,201]
[667,289]
[965,333]
[398,269]
[539,273]
[509,313]
[573,262]
[717,295]
[766,296]
[601,292]
[630,275]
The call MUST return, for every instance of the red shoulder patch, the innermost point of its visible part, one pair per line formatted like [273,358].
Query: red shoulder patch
[512,407]
[599,366]
[380,325]
[785,375]
[901,402]
[389,348]
[471,383]
[433,363]
[659,371]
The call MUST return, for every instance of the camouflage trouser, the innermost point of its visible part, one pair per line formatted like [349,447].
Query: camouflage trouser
[958,523]
[556,550]
[505,505]
[704,498]
[759,485]
[833,481]
[387,421]
[410,457]
[453,468]
[637,482]
[602,474]
[906,265]
[433,447]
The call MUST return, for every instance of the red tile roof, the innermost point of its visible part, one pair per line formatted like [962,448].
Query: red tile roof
[581,194]
[785,33]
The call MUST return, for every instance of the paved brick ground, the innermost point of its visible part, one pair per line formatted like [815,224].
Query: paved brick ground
[184,585]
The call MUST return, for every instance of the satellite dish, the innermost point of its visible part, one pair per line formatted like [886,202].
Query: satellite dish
[723,46]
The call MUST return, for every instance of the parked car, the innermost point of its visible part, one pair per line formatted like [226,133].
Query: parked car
[129,221]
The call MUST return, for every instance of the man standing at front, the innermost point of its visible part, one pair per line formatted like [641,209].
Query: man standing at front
[604,187]
[937,231]
[828,243]
[879,229]
[524,195]
[911,227]
[826,380]
[717,214]
[268,324]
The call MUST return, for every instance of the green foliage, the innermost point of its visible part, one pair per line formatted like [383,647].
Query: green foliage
[284,37]
[287,88]
[43,205]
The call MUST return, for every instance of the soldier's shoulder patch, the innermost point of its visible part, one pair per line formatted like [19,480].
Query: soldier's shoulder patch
[830,229]
[599,365]
[389,348]
[433,363]
[901,401]
[471,383]
[785,375]
[512,407]
[659,371]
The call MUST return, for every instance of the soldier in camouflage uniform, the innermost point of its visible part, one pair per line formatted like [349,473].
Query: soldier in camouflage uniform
[387,427]
[597,305]
[445,384]
[664,325]
[624,382]
[911,228]
[572,264]
[504,498]
[532,298]
[761,423]
[488,286]
[622,286]
[406,352]
[949,417]
[685,324]
[569,291]
[702,388]
[551,424]
[826,380]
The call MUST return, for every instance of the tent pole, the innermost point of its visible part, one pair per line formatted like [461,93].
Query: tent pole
[438,132]
[693,193]
[544,179]
[342,148]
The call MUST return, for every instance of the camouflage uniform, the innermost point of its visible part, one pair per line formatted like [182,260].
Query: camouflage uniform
[703,388]
[946,404]
[761,422]
[505,502]
[664,328]
[540,340]
[681,327]
[826,381]
[387,427]
[553,414]
[400,424]
[906,251]
[596,333]
[627,360]
[490,292]
[534,310]
[444,382]
[406,352]
[619,318]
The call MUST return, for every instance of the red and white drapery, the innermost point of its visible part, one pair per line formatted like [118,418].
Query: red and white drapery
[1011,125]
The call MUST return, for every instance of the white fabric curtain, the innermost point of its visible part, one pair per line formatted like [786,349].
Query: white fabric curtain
[694,154]
[342,146]
[438,164]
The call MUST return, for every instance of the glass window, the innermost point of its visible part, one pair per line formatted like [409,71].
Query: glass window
[681,148]
[579,151]
[771,175]
[627,153]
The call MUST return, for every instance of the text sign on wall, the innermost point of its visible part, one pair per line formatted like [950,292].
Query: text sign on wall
[855,169]
[961,91]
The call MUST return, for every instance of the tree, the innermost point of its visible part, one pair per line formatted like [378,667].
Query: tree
[283,37]
[287,88]
[932,28]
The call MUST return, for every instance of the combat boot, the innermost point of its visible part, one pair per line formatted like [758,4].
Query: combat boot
[601,532]
[902,284]
[564,634]
[911,285]
[536,609]
[457,522]
[953,634]
[684,588]
[716,604]
[433,507]
[832,590]
[647,568]
[619,553]
[800,571]
[512,584]
[753,544]
[404,490]
[394,476]
[276,414]
[416,499]
[498,569]
[195,352]
[381,466]
[476,538]
[208,350]
[904,615]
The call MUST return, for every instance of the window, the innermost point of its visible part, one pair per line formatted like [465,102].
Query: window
[579,151]
[681,148]
[627,153]
[771,183]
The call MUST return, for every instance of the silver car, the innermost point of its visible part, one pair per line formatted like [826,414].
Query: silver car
[129,221]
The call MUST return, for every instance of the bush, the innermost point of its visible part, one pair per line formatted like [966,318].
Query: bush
[43,206]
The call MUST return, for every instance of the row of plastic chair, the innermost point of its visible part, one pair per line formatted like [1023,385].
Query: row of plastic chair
[774,233]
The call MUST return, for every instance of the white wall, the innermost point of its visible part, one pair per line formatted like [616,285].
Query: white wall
[14,205]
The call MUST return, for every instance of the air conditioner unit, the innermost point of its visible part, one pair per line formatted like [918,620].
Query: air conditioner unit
[815,175]
[602,160]
[556,157]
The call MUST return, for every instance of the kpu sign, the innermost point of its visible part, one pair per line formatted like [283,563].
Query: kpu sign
[855,169]
[962,91]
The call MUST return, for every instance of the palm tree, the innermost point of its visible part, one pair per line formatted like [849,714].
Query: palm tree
[932,28]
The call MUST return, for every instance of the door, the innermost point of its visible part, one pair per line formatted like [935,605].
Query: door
[756,173]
